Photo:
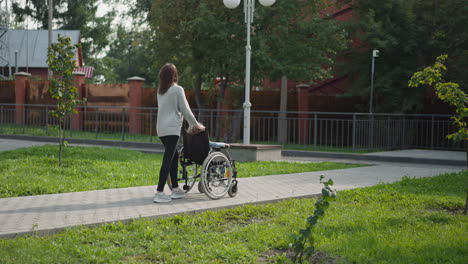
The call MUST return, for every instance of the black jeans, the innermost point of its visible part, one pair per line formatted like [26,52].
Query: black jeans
[169,163]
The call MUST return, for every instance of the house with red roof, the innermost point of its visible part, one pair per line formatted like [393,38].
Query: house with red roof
[26,51]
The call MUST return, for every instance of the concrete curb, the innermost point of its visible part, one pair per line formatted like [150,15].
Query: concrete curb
[150,147]
[367,157]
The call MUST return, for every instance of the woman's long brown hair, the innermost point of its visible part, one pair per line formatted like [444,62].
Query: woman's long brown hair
[167,77]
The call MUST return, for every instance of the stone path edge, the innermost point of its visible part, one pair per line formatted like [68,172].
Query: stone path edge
[159,148]
[55,230]
[369,157]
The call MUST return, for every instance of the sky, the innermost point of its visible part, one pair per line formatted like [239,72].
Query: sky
[102,10]
[105,8]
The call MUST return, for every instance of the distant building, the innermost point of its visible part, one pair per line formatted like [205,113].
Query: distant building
[27,52]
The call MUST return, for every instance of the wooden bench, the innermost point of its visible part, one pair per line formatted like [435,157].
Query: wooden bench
[255,152]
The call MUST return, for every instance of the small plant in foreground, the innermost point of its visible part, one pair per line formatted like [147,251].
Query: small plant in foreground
[304,241]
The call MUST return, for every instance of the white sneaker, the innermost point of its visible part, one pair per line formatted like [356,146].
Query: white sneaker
[177,193]
[161,197]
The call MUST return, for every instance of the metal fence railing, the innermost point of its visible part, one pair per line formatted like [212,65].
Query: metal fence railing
[312,130]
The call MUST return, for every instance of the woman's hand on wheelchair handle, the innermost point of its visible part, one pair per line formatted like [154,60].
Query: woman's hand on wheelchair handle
[197,128]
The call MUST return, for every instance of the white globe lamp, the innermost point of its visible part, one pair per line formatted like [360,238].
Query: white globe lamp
[231,3]
[267,2]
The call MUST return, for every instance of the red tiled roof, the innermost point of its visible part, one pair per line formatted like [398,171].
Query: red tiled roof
[88,71]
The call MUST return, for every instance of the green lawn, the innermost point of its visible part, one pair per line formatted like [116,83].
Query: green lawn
[33,171]
[411,221]
[52,131]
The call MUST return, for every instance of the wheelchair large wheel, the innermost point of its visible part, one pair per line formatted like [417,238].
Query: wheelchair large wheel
[216,176]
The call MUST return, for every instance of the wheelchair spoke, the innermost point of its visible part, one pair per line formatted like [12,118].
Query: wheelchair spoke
[216,175]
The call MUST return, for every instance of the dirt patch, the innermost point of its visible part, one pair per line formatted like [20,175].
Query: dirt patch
[319,257]
[323,257]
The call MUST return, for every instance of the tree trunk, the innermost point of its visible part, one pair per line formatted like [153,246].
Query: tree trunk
[219,105]
[236,124]
[282,122]
[61,133]
[50,10]
[198,96]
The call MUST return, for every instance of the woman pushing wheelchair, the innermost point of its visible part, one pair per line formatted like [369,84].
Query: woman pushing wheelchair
[173,108]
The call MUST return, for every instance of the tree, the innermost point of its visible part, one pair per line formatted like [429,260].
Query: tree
[450,93]
[207,40]
[409,34]
[129,54]
[38,11]
[140,10]
[60,58]
[290,38]
[71,15]
[297,39]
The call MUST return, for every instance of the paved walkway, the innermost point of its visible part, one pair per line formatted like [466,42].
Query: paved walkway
[55,212]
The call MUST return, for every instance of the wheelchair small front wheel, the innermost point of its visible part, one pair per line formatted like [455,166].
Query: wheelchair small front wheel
[216,175]
[200,188]
[233,189]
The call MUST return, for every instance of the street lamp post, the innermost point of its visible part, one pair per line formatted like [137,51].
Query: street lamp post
[249,6]
[375,53]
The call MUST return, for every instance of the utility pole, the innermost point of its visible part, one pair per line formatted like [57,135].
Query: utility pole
[51,9]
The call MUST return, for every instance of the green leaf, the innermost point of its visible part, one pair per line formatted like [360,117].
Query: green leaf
[325,192]
[319,212]
[312,220]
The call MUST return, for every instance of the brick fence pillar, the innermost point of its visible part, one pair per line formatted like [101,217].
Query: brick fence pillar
[21,80]
[135,96]
[303,106]
[78,82]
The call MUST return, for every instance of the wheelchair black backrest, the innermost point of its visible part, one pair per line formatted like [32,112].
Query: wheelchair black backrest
[196,146]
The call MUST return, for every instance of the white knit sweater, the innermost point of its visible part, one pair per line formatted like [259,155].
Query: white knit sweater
[172,109]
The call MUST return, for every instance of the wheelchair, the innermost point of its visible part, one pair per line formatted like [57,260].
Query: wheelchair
[209,164]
